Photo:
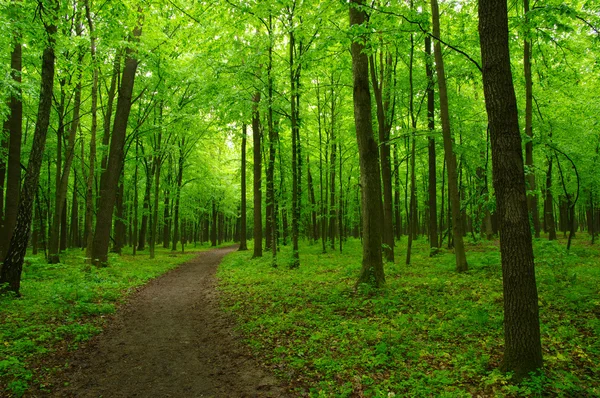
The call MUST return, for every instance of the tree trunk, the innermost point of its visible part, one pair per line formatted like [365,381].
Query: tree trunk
[179,182]
[453,194]
[110,177]
[119,234]
[13,262]
[63,185]
[243,221]
[522,347]
[157,163]
[370,178]
[432,199]
[532,197]
[549,222]
[295,150]
[256,140]
[14,128]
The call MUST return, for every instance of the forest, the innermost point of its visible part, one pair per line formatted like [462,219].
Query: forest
[405,194]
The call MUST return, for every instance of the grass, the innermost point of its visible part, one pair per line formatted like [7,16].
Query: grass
[63,305]
[430,332]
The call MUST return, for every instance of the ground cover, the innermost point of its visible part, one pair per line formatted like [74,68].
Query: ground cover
[63,305]
[430,332]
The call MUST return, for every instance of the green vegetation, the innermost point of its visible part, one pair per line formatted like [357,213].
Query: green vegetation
[65,304]
[430,332]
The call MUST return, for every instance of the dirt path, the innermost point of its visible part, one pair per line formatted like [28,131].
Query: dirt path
[171,340]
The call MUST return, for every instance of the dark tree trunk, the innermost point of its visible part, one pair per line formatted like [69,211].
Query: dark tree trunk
[59,219]
[381,88]
[522,347]
[110,177]
[89,193]
[74,228]
[179,182]
[257,177]
[146,205]
[158,157]
[119,234]
[549,222]
[243,221]
[532,197]
[453,193]
[14,128]
[432,199]
[213,229]
[13,262]
[295,150]
[397,204]
[370,178]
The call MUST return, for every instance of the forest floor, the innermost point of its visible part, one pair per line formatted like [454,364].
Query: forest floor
[170,339]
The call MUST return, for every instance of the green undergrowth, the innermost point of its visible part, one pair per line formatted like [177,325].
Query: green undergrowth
[65,304]
[430,333]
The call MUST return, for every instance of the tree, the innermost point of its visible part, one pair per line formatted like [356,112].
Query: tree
[256,135]
[453,193]
[14,127]
[13,262]
[370,177]
[110,178]
[522,346]
[243,227]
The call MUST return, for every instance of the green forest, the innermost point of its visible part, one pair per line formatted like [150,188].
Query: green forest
[376,199]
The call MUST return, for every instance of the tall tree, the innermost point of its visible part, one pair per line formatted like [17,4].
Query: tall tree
[453,194]
[532,197]
[381,80]
[14,127]
[13,262]
[63,179]
[370,177]
[110,177]
[432,198]
[243,222]
[256,140]
[522,346]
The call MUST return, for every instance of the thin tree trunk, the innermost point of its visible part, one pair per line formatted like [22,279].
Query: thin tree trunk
[243,221]
[295,149]
[532,197]
[256,140]
[384,124]
[179,182]
[370,177]
[522,347]
[453,194]
[433,226]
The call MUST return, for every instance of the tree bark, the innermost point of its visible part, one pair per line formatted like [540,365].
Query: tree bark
[179,182]
[256,140]
[522,346]
[243,221]
[13,262]
[63,185]
[295,150]
[384,123]
[110,178]
[532,197]
[549,222]
[14,127]
[453,194]
[89,192]
[432,199]
[370,178]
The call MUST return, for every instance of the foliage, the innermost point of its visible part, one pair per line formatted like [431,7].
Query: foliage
[63,305]
[430,332]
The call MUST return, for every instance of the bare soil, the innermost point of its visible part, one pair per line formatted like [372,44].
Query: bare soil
[170,340]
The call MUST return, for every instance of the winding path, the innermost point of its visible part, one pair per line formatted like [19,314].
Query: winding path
[171,340]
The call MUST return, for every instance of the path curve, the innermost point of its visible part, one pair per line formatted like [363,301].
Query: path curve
[171,340]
